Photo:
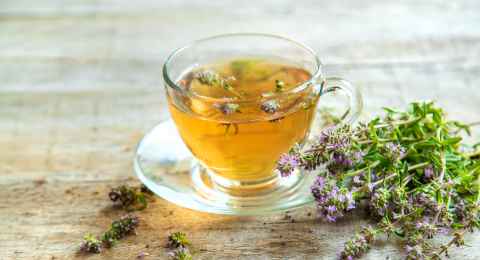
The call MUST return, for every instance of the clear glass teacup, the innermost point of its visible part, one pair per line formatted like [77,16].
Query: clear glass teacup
[241,100]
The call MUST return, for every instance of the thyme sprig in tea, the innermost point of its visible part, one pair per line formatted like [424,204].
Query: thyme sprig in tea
[411,169]
[214,79]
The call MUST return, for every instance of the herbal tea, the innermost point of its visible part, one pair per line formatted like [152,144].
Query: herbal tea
[240,115]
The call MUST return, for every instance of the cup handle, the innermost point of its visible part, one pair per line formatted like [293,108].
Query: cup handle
[355,101]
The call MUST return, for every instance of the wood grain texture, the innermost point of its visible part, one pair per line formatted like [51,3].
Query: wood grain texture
[80,84]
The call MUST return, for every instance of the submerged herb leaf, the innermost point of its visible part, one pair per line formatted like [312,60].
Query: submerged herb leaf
[279,85]
[270,106]
[228,108]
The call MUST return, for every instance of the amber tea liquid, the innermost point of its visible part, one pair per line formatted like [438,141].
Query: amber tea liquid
[237,118]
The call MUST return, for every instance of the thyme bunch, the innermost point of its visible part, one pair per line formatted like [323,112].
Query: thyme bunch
[411,169]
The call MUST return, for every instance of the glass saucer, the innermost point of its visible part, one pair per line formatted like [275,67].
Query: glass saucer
[165,165]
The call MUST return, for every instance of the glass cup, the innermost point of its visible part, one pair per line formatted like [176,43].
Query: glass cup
[237,152]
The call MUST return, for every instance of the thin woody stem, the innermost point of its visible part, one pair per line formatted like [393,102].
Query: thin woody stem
[373,165]
[440,180]
[457,236]
[397,123]
[380,140]
[411,168]
[474,124]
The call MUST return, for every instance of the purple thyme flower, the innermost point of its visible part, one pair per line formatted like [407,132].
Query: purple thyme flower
[342,159]
[325,134]
[340,162]
[270,106]
[350,201]
[358,245]
[331,209]
[332,202]
[330,218]
[334,192]
[357,180]
[180,253]
[419,225]
[421,200]
[443,230]
[370,187]
[428,173]
[358,157]
[319,182]
[394,152]
[335,139]
[287,164]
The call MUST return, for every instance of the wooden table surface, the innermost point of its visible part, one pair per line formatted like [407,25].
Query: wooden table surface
[80,83]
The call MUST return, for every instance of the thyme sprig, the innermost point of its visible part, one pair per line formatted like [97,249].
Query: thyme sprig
[408,167]
[131,198]
[119,229]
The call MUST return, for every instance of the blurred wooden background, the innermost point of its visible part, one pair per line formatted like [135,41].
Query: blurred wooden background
[80,83]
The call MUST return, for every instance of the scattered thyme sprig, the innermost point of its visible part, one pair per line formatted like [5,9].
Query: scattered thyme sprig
[119,229]
[179,244]
[410,170]
[131,198]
